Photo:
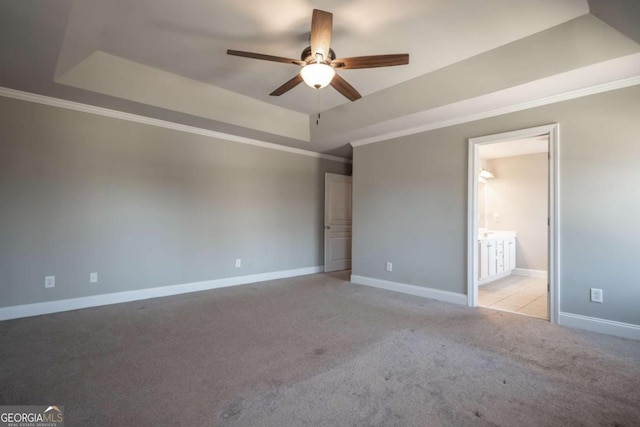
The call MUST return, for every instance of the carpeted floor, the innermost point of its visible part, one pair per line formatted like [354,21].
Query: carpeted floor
[316,351]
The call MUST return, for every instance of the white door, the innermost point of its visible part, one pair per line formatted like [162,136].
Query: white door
[337,222]
[484,259]
[499,256]
[493,266]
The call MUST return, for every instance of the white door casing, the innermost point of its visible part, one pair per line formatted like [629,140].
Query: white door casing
[337,222]
[553,131]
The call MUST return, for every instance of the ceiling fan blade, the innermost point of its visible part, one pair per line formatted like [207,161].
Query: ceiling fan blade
[372,61]
[295,81]
[345,88]
[264,57]
[321,28]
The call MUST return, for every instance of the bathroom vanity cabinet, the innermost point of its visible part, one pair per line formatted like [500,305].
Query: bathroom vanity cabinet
[497,255]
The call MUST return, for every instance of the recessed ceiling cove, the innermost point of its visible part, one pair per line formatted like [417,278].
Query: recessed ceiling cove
[190,38]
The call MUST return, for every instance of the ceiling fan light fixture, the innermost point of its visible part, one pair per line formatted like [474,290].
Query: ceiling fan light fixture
[317,75]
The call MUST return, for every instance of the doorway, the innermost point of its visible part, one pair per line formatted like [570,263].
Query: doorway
[337,222]
[505,272]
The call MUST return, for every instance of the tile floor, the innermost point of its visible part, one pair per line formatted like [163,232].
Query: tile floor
[517,294]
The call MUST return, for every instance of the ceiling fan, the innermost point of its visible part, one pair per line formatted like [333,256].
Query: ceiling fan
[319,63]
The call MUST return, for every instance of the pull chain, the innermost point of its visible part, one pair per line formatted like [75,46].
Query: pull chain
[318,106]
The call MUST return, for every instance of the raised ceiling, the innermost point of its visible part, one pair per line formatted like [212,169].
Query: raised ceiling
[190,37]
[167,59]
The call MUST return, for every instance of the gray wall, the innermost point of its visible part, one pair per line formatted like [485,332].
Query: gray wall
[574,44]
[519,194]
[145,206]
[409,206]
[410,203]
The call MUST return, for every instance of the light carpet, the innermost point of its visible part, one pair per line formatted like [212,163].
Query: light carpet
[315,351]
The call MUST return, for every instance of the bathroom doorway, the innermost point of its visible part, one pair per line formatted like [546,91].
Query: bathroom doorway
[512,247]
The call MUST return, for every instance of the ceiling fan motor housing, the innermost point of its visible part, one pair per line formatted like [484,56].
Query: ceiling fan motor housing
[307,57]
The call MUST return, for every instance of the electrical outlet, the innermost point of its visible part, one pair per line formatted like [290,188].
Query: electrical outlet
[389,266]
[93,278]
[238,263]
[50,281]
[596,295]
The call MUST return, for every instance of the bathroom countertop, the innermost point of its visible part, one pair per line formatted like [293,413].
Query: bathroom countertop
[496,234]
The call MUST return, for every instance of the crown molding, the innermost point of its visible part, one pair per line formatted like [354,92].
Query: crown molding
[597,78]
[106,112]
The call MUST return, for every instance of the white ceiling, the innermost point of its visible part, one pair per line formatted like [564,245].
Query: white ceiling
[167,60]
[520,147]
[190,38]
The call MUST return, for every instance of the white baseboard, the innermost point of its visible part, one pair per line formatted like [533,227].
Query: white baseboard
[420,291]
[28,310]
[610,327]
[494,278]
[530,273]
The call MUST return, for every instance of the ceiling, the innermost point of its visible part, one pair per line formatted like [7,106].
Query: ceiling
[167,59]
[190,38]
[520,147]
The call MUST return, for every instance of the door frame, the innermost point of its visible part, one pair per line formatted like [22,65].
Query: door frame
[553,131]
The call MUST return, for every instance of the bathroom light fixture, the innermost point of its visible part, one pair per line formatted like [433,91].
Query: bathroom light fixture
[485,173]
[317,74]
